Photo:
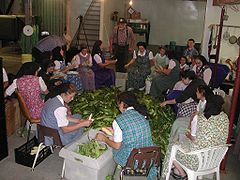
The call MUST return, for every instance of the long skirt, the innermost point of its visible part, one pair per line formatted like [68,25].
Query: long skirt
[87,77]
[104,78]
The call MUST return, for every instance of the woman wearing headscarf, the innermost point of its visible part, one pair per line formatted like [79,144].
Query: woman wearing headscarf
[30,86]
[139,67]
[83,61]
[130,130]
[104,77]
[62,69]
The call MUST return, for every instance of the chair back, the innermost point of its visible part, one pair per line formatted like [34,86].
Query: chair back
[222,72]
[24,109]
[141,160]
[210,158]
[49,132]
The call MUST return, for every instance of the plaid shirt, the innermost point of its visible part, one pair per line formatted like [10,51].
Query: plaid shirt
[136,133]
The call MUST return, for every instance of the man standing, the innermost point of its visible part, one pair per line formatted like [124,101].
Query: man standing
[121,43]
[191,50]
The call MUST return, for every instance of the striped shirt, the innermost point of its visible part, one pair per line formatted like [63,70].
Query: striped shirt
[50,42]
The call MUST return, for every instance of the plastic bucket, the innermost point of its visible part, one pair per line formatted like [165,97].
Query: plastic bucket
[26,58]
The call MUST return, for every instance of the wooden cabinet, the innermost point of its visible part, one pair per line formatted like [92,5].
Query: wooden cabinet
[141,27]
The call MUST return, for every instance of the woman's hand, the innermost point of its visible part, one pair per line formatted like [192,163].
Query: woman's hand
[113,61]
[164,103]
[189,136]
[85,122]
[126,66]
[100,137]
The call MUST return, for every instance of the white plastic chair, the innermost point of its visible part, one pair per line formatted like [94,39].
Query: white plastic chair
[209,161]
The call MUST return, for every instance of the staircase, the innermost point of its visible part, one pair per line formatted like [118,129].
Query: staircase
[88,31]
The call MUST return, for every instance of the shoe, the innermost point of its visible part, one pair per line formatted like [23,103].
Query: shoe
[141,89]
[177,176]
[130,89]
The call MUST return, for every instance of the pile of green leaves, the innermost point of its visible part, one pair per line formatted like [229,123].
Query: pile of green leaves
[102,104]
[91,149]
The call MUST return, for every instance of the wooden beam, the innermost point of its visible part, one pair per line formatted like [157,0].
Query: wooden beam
[225,2]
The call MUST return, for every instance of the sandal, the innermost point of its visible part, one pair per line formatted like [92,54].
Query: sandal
[177,176]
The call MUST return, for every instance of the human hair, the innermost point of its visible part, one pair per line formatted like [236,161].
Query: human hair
[140,43]
[183,57]
[129,99]
[213,106]
[206,91]
[28,68]
[56,55]
[96,48]
[83,46]
[188,74]
[202,59]
[67,88]
[46,63]
[164,48]
[191,39]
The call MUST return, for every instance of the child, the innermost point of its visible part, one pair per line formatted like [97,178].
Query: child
[203,94]
[183,64]
[160,61]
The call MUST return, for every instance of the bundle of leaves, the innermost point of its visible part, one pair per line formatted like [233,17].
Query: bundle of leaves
[102,104]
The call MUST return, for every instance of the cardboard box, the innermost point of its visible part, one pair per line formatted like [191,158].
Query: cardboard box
[13,116]
[79,167]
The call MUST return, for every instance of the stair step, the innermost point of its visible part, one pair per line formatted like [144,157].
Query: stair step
[93,13]
[94,8]
[88,32]
[91,23]
[89,36]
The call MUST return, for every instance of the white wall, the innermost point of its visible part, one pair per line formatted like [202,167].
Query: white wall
[109,7]
[212,16]
[78,7]
[172,20]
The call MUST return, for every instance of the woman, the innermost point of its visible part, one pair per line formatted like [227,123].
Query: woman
[212,130]
[84,63]
[55,114]
[5,78]
[104,77]
[139,67]
[131,130]
[46,72]
[203,71]
[31,87]
[204,95]
[62,70]
[167,77]
[160,60]
[183,64]
[189,79]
